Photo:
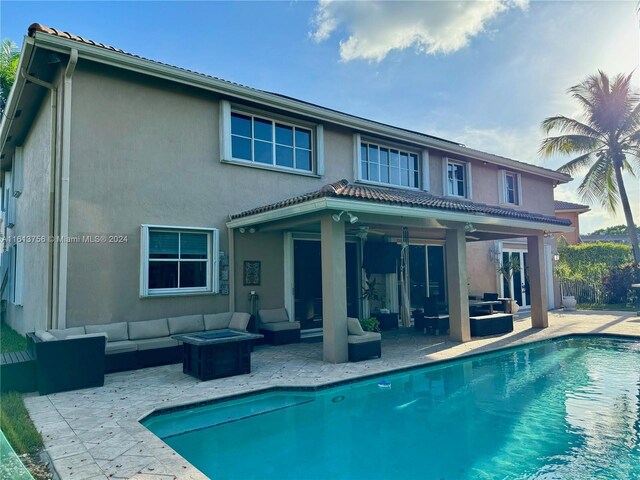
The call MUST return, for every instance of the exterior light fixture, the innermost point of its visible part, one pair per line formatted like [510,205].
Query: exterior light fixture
[352,218]
[336,216]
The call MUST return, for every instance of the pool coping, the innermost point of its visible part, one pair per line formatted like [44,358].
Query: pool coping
[156,412]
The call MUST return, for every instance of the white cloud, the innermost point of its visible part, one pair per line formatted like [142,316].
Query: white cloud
[377,28]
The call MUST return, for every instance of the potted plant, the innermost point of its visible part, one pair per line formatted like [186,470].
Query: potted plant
[507,269]
[370,324]
[370,293]
[563,272]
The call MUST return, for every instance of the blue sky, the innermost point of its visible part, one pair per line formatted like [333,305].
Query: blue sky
[481,73]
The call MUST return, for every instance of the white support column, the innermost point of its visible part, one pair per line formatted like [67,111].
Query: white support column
[456,252]
[334,290]
[537,282]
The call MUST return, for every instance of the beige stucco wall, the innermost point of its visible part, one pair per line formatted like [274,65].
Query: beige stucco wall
[147,152]
[32,222]
[573,238]
[481,271]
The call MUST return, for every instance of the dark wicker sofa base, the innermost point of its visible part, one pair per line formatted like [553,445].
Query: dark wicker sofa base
[281,337]
[362,351]
[495,324]
[120,362]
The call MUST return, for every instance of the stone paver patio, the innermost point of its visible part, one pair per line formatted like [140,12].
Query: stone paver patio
[95,433]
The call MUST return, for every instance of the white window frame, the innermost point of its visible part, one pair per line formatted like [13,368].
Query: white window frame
[504,196]
[18,274]
[226,150]
[467,178]
[212,285]
[423,162]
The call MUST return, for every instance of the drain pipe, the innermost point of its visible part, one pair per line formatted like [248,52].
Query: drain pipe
[61,294]
[52,175]
[53,279]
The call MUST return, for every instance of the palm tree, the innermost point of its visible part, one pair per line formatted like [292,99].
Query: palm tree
[9,55]
[607,142]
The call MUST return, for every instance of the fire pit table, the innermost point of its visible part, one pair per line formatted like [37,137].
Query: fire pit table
[217,354]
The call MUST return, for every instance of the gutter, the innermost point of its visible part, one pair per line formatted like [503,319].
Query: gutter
[358,206]
[198,80]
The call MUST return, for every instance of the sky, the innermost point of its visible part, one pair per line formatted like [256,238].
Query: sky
[484,73]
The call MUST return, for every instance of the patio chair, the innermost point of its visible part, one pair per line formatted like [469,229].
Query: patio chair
[492,297]
[276,327]
[362,345]
[431,319]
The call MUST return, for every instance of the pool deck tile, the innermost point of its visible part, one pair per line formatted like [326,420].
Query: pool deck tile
[95,433]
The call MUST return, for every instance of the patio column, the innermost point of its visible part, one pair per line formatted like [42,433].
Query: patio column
[334,291]
[537,281]
[456,253]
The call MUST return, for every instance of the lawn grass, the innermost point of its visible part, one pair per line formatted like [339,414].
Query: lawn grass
[10,340]
[610,307]
[17,426]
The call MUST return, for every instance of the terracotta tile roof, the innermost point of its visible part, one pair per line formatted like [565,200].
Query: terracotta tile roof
[36,27]
[406,198]
[560,205]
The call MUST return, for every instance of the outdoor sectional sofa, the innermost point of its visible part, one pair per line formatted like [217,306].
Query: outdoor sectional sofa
[78,357]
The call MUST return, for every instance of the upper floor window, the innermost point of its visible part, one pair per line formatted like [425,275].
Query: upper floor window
[510,188]
[268,141]
[178,260]
[389,165]
[457,179]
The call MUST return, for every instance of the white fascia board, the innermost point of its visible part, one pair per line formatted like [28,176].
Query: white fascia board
[319,114]
[357,206]
[16,92]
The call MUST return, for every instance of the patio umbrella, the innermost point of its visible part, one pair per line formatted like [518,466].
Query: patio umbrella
[405,307]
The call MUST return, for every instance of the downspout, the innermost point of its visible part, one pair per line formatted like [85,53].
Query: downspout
[58,270]
[64,189]
[52,175]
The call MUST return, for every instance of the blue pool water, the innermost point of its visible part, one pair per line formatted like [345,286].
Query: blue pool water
[566,409]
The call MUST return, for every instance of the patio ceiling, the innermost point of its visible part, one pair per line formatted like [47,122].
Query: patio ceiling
[384,210]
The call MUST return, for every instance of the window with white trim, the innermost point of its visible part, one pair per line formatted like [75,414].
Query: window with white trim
[178,260]
[388,165]
[510,188]
[457,179]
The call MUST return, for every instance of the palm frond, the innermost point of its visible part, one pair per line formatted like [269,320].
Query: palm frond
[599,185]
[571,125]
[577,164]
[568,144]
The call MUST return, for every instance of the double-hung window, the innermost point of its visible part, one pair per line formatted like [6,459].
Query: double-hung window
[178,260]
[387,165]
[510,188]
[268,142]
[457,179]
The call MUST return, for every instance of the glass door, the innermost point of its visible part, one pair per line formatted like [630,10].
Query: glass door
[427,275]
[519,283]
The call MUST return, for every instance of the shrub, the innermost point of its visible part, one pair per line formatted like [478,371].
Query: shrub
[590,261]
[370,324]
[617,281]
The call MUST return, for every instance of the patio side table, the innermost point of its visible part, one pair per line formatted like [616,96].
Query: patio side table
[388,321]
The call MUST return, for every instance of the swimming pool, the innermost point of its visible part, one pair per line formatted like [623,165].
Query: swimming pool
[564,409]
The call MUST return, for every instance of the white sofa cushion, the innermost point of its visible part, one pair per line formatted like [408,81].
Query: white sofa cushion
[61,334]
[153,343]
[280,326]
[186,324]
[239,321]
[121,347]
[367,337]
[354,327]
[273,316]
[217,321]
[44,336]
[116,332]
[148,329]
[89,335]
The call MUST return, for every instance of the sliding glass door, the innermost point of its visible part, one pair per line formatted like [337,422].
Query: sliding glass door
[427,275]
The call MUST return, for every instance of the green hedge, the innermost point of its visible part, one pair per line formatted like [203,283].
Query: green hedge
[590,261]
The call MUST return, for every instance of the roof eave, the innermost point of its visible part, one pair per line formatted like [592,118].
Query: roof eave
[359,206]
[16,92]
[149,67]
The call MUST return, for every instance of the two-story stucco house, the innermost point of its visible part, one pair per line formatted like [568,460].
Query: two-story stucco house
[137,190]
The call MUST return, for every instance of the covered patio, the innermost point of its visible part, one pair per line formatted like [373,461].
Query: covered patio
[341,210]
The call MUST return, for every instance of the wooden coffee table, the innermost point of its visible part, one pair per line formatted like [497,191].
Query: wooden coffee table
[217,354]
